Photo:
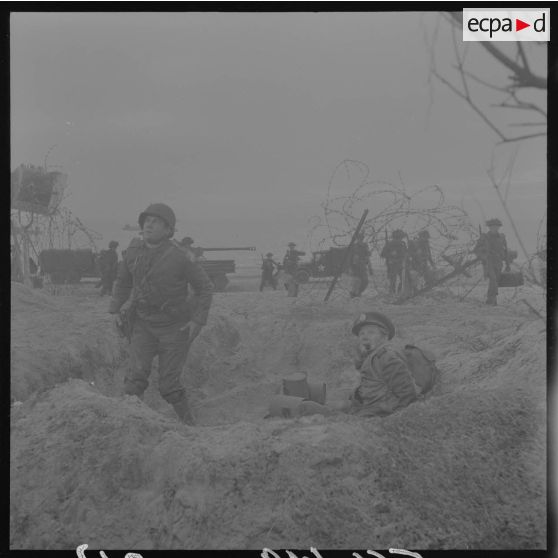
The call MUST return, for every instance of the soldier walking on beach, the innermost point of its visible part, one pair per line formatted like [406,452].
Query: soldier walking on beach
[290,265]
[157,274]
[420,257]
[108,266]
[268,269]
[359,266]
[395,254]
[492,249]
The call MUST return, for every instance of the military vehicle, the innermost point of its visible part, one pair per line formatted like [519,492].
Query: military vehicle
[217,270]
[68,266]
[324,263]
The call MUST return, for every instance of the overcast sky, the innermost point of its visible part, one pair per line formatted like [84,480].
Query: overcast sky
[238,120]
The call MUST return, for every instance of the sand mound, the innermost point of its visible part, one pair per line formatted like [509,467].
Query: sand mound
[464,468]
[56,338]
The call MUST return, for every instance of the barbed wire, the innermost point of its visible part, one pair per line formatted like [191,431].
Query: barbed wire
[391,206]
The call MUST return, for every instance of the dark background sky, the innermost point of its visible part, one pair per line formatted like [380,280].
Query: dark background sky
[239,120]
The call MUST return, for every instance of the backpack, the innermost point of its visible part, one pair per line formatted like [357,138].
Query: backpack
[422,365]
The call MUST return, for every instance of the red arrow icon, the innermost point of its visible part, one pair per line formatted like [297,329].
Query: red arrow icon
[519,25]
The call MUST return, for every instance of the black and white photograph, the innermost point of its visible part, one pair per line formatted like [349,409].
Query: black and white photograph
[278,279]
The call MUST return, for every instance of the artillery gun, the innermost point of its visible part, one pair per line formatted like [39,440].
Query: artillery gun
[217,270]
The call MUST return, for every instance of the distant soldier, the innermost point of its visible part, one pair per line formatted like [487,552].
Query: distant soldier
[108,266]
[187,245]
[492,249]
[420,257]
[198,254]
[359,266]
[395,254]
[164,320]
[290,265]
[268,272]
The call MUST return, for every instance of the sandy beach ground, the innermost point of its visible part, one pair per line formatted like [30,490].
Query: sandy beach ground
[463,468]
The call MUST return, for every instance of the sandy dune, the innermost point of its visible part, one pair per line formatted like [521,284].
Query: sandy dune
[464,468]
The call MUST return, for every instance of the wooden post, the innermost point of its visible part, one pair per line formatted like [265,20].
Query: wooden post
[347,253]
[26,272]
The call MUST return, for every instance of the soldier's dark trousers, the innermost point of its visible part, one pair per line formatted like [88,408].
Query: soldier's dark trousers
[363,276]
[292,286]
[494,270]
[106,284]
[268,280]
[360,282]
[393,274]
[167,342]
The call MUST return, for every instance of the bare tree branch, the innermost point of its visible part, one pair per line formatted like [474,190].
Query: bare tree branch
[516,124]
[521,138]
[472,105]
[522,75]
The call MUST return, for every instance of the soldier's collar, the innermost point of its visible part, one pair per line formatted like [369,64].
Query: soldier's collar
[164,242]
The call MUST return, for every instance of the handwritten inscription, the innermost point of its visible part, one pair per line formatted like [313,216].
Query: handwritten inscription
[83,547]
[268,553]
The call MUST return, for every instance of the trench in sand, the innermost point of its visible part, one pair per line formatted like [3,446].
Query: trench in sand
[463,468]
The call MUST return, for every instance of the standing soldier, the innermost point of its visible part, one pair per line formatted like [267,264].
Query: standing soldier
[108,266]
[492,249]
[420,257]
[395,254]
[359,266]
[268,268]
[187,245]
[290,265]
[165,321]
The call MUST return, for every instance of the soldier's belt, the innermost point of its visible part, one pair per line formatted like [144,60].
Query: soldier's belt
[147,308]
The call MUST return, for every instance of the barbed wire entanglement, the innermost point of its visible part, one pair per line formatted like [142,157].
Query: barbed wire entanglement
[60,229]
[391,206]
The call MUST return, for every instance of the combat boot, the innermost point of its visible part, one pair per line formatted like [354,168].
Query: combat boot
[183,411]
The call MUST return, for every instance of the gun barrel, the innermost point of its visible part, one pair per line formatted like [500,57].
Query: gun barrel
[223,249]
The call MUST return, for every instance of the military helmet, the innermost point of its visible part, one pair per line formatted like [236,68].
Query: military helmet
[494,222]
[374,318]
[397,233]
[424,234]
[291,244]
[187,241]
[269,255]
[113,244]
[162,211]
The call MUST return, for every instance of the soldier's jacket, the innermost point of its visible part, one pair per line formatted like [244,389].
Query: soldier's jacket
[268,267]
[290,262]
[419,250]
[492,247]
[394,252]
[386,382]
[162,298]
